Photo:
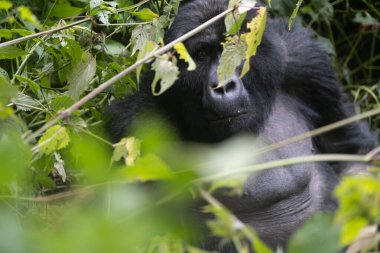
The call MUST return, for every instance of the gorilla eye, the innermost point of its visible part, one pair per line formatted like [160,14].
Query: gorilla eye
[201,54]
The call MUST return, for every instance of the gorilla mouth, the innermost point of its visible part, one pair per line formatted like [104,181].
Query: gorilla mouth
[229,117]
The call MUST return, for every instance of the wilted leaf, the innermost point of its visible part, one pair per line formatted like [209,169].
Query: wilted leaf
[143,33]
[81,75]
[253,37]
[145,14]
[59,166]
[166,72]
[247,5]
[184,55]
[103,16]
[127,148]
[232,55]
[54,139]
[11,52]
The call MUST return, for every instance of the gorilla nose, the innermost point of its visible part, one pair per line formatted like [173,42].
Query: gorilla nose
[230,91]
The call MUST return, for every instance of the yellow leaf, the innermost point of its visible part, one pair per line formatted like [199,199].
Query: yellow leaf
[184,55]
[254,36]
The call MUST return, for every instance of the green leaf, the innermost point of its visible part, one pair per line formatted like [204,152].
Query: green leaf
[7,91]
[317,235]
[54,139]
[143,33]
[184,55]
[294,14]
[27,15]
[147,168]
[253,37]
[61,102]
[145,14]
[166,71]
[113,47]
[81,75]
[232,55]
[34,87]
[11,52]
[64,10]
[22,32]
[26,103]
[5,33]
[5,5]
[148,47]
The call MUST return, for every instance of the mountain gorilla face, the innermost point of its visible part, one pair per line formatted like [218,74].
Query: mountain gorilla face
[290,89]
[240,105]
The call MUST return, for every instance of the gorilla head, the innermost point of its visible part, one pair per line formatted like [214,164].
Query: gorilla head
[290,89]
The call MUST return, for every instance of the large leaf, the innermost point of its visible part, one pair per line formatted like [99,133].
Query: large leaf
[232,55]
[81,75]
[11,52]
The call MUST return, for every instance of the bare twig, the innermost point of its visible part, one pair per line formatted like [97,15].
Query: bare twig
[36,35]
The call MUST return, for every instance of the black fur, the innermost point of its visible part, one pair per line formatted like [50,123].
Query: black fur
[290,89]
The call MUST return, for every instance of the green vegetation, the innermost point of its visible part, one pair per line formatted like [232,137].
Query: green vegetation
[65,188]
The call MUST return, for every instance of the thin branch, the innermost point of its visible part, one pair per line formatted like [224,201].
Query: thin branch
[114,79]
[319,131]
[287,162]
[36,35]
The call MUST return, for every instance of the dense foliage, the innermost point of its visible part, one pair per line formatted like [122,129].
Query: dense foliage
[67,188]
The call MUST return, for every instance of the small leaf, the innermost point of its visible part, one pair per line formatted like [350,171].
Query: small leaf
[59,166]
[166,71]
[81,75]
[247,5]
[11,52]
[294,14]
[149,46]
[103,16]
[5,5]
[253,37]
[127,148]
[21,32]
[26,103]
[184,55]
[145,14]
[54,139]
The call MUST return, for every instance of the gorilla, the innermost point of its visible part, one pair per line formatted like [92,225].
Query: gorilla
[291,88]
